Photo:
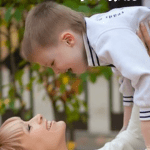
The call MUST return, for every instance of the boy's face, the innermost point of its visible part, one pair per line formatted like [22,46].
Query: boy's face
[69,54]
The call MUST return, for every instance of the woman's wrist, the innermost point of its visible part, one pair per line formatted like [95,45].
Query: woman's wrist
[124,127]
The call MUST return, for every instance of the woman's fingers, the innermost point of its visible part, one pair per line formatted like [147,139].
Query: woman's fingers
[145,34]
[139,33]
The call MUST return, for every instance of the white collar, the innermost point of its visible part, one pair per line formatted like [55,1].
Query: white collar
[91,54]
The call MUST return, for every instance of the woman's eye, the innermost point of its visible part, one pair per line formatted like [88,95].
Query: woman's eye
[29,127]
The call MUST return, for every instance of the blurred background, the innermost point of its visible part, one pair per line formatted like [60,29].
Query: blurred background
[90,104]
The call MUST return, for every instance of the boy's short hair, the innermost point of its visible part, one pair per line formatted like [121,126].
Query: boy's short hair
[10,134]
[43,24]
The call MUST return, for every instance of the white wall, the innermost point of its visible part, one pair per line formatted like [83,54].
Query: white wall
[146,3]
[99,119]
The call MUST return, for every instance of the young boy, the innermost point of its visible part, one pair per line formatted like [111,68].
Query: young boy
[60,38]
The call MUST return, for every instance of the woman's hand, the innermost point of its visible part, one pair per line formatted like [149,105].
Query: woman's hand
[144,36]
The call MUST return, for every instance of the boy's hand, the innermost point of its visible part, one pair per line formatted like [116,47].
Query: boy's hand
[144,36]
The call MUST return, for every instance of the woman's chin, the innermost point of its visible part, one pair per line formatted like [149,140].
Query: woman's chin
[62,124]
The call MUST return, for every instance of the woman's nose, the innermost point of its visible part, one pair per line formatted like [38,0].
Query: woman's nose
[38,118]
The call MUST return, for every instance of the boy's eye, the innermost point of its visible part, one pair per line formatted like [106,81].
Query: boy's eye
[52,63]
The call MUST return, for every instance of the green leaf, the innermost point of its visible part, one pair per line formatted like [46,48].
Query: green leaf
[27,115]
[50,71]
[18,14]
[2,109]
[29,85]
[62,88]
[71,4]
[0,21]
[93,78]
[7,43]
[18,76]
[58,107]
[22,63]
[20,33]
[83,8]
[11,104]
[8,14]
[107,72]
[97,9]
[68,111]
[39,81]
[84,76]
[15,110]
[35,67]
[11,92]
[80,88]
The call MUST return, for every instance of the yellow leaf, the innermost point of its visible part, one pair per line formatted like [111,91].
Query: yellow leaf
[50,87]
[1,103]
[4,22]
[65,80]
[6,101]
[71,145]
[31,6]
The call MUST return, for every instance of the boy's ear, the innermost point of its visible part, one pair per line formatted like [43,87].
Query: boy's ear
[68,38]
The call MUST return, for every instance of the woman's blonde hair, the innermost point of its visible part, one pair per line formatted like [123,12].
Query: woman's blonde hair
[10,134]
[45,21]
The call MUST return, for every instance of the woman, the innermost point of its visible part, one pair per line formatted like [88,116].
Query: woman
[35,134]
[38,134]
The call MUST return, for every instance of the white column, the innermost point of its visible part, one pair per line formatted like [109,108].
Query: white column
[99,119]
[146,3]
[43,107]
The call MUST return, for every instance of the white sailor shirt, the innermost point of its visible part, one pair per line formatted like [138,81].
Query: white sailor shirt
[111,40]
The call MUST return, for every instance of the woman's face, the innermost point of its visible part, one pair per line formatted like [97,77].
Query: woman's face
[38,137]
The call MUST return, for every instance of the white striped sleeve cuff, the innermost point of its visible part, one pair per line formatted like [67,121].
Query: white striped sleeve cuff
[127,100]
[144,113]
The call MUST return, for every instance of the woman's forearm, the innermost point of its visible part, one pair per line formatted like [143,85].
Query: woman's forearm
[127,115]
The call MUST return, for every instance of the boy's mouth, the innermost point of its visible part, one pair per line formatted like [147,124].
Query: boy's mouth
[68,70]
